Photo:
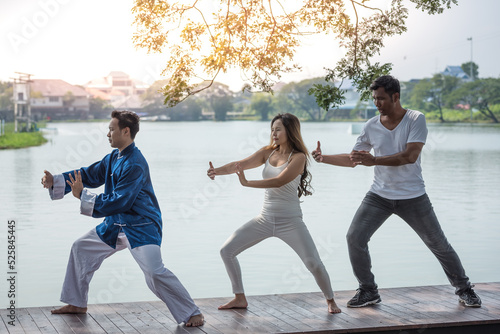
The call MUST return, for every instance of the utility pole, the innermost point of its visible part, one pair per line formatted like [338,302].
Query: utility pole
[471,72]
[22,96]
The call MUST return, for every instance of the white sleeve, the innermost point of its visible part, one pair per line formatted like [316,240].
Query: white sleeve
[87,201]
[58,187]
[418,131]
[363,142]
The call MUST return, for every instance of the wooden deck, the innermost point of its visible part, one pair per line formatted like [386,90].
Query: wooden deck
[413,310]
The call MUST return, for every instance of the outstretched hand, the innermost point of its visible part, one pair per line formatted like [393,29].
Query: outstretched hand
[317,153]
[47,179]
[211,171]
[241,175]
[76,183]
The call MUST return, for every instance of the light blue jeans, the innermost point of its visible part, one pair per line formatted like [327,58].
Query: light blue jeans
[416,212]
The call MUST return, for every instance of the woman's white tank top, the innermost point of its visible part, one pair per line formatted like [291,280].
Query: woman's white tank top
[282,201]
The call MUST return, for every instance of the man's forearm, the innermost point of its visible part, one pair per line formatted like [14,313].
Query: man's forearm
[394,160]
[342,160]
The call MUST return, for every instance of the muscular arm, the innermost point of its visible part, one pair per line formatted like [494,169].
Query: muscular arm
[408,156]
[294,168]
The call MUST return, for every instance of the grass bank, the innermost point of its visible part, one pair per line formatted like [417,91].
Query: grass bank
[13,139]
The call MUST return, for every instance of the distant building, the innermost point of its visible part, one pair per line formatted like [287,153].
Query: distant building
[456,71]
[119,90]
[57,99]
[363,109]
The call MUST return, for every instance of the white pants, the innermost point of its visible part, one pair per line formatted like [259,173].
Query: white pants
[89,251]
[293,231]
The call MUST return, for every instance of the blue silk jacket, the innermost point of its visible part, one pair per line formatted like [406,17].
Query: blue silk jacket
[128,203]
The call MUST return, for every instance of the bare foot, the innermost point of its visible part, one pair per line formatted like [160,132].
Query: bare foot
[196,320]
[69,309]
[239,301]
[332,306]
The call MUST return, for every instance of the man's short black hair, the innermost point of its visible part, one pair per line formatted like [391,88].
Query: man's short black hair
[388,82]
[127,119]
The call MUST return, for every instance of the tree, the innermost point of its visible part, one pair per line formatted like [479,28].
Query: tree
[99,108]
[6,104]
[295,98]
[261,38]
[153,99]
[481,94]
[468,66]
[434,93]
[262,104]
[218,97]
[188,111]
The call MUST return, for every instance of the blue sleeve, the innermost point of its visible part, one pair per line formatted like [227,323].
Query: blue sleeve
[122,197]
[93,176]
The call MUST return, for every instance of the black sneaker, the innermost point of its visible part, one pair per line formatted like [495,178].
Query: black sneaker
[469,298]
[364,298]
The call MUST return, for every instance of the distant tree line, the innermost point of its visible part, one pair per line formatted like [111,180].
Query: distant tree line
[442,98]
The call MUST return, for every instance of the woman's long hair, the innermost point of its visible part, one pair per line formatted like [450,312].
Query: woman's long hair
[292,126]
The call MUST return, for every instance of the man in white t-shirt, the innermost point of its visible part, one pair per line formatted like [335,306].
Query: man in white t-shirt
[397,137]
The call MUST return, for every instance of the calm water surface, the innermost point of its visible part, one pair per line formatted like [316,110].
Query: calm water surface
[461,170]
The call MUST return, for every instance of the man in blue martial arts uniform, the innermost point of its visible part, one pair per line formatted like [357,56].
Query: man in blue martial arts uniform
[132,219]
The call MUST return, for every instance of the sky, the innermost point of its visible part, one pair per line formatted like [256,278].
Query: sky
[77,41]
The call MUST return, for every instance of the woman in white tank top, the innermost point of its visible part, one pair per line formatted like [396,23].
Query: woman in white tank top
[285,179]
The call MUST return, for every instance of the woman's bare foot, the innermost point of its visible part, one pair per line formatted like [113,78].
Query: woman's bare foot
[332,306]
[195,321]
[69,309]
[239,301]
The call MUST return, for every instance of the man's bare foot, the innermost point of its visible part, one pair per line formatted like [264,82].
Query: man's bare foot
[195,321]
[69,309]
[239,301]
[332,306]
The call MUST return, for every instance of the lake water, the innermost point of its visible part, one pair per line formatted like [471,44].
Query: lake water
[461,165]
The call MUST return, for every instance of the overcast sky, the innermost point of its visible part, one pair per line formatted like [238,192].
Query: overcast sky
[78,40]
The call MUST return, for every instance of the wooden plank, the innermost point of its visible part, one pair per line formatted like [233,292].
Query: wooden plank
[41,321]
[56,320]
[237,320]
[408,308]
[101,318]
[75,324]
[303,309]
[377,313]
[273,315]
[319,307]
[131,318]
[150,325]
[17,328]
[3,323]
[460,311]
[166,322]
[158,308]
[113,316]
[212,315]
[26,321]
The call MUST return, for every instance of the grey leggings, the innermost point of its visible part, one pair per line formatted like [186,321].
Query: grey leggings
[293,231]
